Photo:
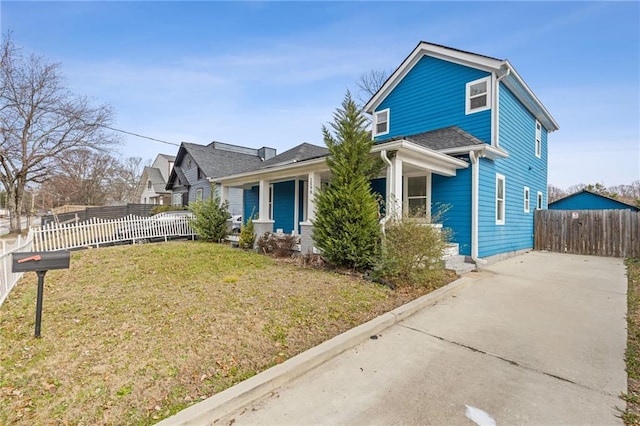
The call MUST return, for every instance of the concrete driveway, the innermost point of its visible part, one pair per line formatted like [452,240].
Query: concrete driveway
[537,339]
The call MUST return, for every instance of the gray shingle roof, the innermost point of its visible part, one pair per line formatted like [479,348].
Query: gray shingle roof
[155,176]
[302,152]
[445,138]
[218,162]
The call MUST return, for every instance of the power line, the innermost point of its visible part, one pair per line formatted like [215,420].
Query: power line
[140,136]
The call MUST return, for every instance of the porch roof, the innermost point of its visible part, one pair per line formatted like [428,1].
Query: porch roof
[292,163]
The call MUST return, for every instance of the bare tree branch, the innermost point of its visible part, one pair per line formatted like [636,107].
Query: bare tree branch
[41,123]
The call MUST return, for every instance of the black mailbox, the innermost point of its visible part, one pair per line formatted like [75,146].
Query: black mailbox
[40,261]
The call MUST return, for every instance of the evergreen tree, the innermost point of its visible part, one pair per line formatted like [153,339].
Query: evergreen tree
[346,226]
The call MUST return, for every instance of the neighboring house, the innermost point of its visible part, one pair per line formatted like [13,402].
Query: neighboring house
[151,188]
[455,129]
[587,200]
[198,167]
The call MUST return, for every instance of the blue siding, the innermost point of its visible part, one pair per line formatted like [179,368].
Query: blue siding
[522,168]
[251,198]
[432,96]
[453,196]
[283,206]
[589,201]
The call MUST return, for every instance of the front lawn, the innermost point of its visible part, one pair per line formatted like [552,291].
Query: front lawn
[133,334]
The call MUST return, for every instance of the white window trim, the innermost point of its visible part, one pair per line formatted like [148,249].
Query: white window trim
[375,122]
[502,210]
[427,197]
[538,140]
[527,198]
[198,194]
[539,201]
[468,109]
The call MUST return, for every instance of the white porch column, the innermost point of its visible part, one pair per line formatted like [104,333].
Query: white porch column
[263,201]
[314,187]
[394,196]
[224,193]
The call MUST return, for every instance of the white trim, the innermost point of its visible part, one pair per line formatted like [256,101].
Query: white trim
[198,196]
[475,179]
[270,201]
[296,206]
[469,96]
[484,150]
[501,209]
[426,197]
[539,200]
[440,52]
[538,140]
[374,130]
[526,195]
[513,81]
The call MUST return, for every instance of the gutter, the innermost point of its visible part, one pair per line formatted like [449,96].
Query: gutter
[475,172]
[496,114]
[385,219]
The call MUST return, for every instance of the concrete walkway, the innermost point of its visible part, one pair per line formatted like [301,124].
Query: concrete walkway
[537,339]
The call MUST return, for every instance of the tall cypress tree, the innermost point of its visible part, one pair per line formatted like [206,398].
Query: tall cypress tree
[346,226]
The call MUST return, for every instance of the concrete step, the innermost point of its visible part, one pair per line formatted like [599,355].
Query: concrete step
[458,264]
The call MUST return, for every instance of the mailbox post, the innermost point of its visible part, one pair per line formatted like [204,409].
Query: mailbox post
[40,262]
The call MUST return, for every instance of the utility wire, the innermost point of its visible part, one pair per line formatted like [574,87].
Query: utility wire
[140,136]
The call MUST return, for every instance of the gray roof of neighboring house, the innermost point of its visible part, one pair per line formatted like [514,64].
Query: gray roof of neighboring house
[155,176]
[168,157]
[445,138]
[302,152]
[219,162]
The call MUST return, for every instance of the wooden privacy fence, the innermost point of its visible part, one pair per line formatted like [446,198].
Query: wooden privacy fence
[97,232]
[614,233]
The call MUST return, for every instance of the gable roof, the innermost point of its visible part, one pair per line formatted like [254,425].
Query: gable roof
[218,162]
[501,67]
[304,151]
[155,176]
[611,202]
[168,157]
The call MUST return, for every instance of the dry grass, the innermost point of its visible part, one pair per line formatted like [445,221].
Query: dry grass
[632,415]
[131,335]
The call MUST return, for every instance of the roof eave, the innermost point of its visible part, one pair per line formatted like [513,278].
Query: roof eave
[436,51]
[489,151]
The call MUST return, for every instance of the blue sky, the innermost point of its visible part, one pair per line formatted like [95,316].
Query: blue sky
[272,73]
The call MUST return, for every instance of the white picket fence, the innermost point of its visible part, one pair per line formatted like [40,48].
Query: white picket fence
[99,232]
[7,278]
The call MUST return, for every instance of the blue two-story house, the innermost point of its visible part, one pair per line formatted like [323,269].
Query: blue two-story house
[459,133]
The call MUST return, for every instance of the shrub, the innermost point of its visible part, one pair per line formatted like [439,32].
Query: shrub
[278,245]
[412,254]
[210,220]
[247,235]
[346,225]
[166,208]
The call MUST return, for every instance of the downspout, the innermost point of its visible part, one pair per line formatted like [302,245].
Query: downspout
[475,173]
[496,103]
[383,221]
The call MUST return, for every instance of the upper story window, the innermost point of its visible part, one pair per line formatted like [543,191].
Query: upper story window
[381,122]
[148,184]
[199,194]
[478,96]
[538,139]
[500,199]
[188,162]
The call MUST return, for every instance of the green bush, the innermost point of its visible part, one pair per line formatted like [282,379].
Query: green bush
[211,216]
[346,226]
[165,208]
[247,235]
[412,254]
